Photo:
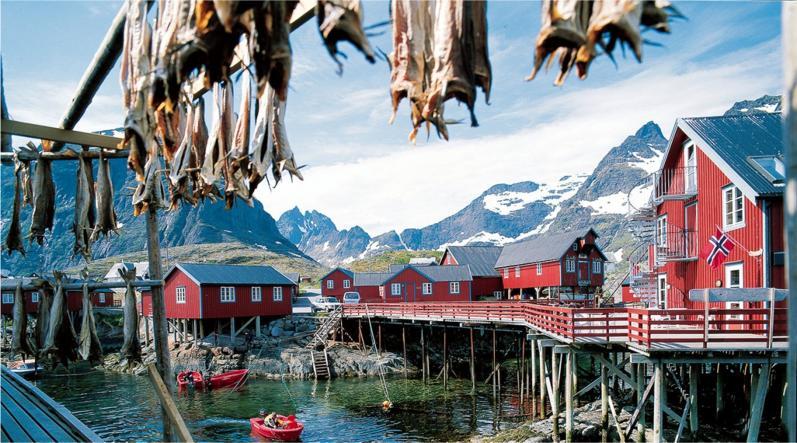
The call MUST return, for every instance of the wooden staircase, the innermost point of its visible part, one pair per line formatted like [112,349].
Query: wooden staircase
[320,364]
[322,333]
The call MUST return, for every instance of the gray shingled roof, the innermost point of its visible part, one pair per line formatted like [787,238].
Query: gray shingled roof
[541,248]
[371,278]
[734,139]
[215,274]
[398,267]
[481,259]
[293,276]
[443,273]
[343,270]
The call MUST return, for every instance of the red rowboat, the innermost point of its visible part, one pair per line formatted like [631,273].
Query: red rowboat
[290,430]
[231,379]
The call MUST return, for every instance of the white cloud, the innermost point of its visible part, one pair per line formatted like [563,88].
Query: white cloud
[568,133]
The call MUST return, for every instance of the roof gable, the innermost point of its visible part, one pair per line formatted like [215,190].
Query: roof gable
[444,273]
[481,259]
[219,274]
[541,248]
[343,270]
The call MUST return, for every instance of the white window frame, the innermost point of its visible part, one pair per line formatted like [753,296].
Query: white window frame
[570,264]
[596,267]
[729,268]
[426,288]
[661,291]
[101,298]
[453,287]
[506,272]
[256,294]
[330,284]
[498,294]
[661,230]
[177,293]
[575,247]
[8,298]
[227,294]
[395,289]
[539,268]
[276,293]
[346,284]
[737,211]
[517,271]
[690,163]
[34,297]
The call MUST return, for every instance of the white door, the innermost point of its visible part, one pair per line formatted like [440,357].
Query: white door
[661,291]
[734,278]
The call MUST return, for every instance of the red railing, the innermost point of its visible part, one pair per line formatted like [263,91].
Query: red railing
[649,327]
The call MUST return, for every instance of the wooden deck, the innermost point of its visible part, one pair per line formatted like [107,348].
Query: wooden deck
[28,414]
[640,329]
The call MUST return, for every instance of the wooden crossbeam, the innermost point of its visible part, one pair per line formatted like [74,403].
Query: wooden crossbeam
[168,405]
[616,371]
[682,421]
[639,408]
[42,132]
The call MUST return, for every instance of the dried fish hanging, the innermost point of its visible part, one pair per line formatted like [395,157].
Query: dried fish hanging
[89,347]
[42,318]
[43,200]
[14,236]
[106,214]
[20,342]
[178,168]
[61,340]
[85,216]
[131,348]
[342,20]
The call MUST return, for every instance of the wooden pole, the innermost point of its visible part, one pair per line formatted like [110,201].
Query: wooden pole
[423,355]
[445,358]
[159,326]
[555,397]
[569,396]
[167,403]
[694,374]
[542,378]
[403,347]
[640,387]
[534,378]
[257,327]
[495,368]
[233,333]
[789,17]
[759,397]
[604,404]
[522,369]
[719,393]
[472,365]
[658,402]
[194,331]
[379,336]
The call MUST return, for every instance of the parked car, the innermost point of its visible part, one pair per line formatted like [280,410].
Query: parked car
[327,303]
[351,298]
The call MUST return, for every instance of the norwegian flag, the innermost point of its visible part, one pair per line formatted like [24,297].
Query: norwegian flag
[717,250]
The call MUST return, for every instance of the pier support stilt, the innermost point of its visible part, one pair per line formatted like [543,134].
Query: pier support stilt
[694,374]
[533,378]
[759,396]
[445,358]
[542,378]
[569,396]
[201,329]
[658,401]
[257,327]
[403,347]
[472,365]
[379,336]
[232,330]
[495,368]
[522,369]
[555,397]
[719,393]
[604,404]
[641,375]
[194,331]
[423,354]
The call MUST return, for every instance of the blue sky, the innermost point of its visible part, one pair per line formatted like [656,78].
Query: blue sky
[362,171]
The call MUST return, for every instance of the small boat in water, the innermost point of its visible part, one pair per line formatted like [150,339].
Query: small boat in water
[231,379]
[25,368]
[290,429]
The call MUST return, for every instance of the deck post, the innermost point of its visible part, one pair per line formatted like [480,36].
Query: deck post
[194,331]
[495,368]
[472,365]
[542,378]
[759,397]
[201,329]
[379,336]
[569,396]
[658,401]
[533,377]
[423,354]
[719,395]
[257,327]
[640,387]
[604,404]
[522,369]
[445,358]
[232,330]
[403,347]
[694,374]
[146,331]
[555,397]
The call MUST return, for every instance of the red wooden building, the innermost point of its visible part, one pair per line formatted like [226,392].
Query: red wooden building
[429,284]
[74,298]
[719,173]
[219,295]
[337,282]
[566,264]
[481,260]
[370,286]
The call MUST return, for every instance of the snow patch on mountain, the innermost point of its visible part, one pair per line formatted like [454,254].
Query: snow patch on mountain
[505,203]
[482,237]
[647,164]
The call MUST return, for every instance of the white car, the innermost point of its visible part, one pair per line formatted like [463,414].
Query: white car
[327,303]
[351,298]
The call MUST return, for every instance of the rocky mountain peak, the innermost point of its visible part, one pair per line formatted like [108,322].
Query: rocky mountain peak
[764,104]
[649,130]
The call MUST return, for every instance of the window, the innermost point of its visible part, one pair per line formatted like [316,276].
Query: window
[34,298]
[734,278]
[661,230]
[596,266]
[395,289]
[498,294]
[330,284]
[506,272]
[575,247]
[661,291]
[227,294]
[517,271]
[691,166]
[770,167]
[426,289]
[8,298]
[453,287]
[382,291]
[347,283]
[101,298]
[257,293]
[732,207]
[276,293]
[179,294]
[539,268]
[570,264]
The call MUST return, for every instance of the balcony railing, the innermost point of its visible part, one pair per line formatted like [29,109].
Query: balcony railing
[674,183]
[676,244]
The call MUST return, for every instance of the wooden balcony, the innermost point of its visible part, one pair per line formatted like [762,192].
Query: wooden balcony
[674,184]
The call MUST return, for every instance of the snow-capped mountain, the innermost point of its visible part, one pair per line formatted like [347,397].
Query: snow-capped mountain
[316,234]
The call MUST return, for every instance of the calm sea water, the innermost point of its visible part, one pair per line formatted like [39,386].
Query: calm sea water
[124,407]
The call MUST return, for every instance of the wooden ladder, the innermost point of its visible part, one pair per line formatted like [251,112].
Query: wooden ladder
[321,335]
[320,364]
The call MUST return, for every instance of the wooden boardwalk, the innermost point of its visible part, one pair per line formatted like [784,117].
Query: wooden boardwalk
[28,414]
